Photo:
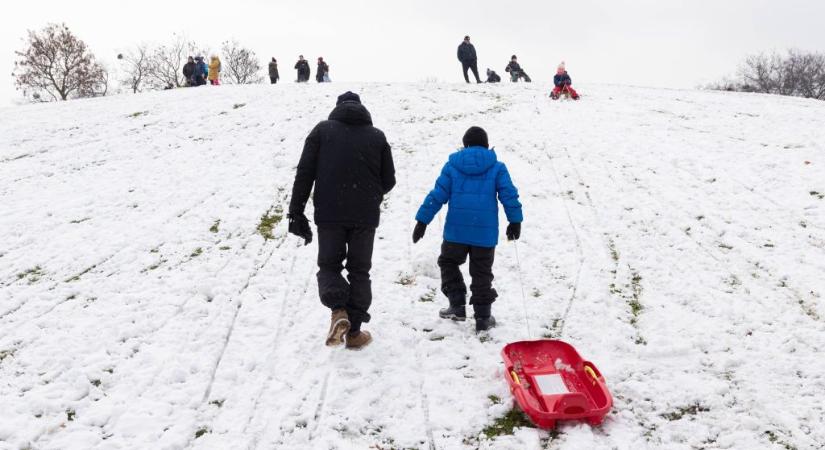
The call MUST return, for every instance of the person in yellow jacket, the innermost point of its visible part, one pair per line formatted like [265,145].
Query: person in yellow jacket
[214,70]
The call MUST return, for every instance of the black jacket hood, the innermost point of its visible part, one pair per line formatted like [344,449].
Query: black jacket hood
[351,113]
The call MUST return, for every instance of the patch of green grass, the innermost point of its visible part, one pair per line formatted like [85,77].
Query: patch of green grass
[214,227]
[614,253]
[218,403]
[772,436]
[85,271]
[95,383]
[6,353]
[494,399]
[428,297]
[34,274]
[682,411]
[70,414]
[80,220]
[201,431]
[504,426]
[818,195]
[536,293]
[238,105]
[725,246]
[405,279]
[268,222]
[198,251]
[225,247]
[138,114]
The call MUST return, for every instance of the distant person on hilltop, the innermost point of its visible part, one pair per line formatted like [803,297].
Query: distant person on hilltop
[214,70]
[302,66]
[472,183]
[201,71]
[322,73]
[189,71]
[350,163]
[469,59]
[273,71]
[563,83]
[493,77]
[515,70]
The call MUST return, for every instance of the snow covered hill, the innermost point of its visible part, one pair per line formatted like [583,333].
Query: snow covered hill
[150,296]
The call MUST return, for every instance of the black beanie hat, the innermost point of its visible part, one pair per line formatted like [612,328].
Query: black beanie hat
[348,97]
[475,136]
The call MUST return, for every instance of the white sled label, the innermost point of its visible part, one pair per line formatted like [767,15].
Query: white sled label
[551,384]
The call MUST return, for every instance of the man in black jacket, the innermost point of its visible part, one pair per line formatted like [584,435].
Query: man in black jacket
[468,58]
[189,71]
[303,69]
[350,163]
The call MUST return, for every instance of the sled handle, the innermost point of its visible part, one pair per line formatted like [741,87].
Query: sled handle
[589,370]
[515,377]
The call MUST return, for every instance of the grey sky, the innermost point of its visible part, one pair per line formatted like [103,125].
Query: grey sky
[668,43]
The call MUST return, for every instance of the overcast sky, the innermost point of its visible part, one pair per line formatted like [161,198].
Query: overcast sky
[667,43]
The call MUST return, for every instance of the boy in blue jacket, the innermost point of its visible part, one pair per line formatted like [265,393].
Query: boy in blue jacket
[473,182]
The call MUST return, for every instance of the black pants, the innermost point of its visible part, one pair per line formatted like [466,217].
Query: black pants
[273,80]
[472,66]
[337,243]
[481,270]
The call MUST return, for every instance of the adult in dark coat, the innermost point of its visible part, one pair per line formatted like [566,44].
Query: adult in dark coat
[189,71]
[493,77]
[469,59]
[302,66]
[322,73]
[350,163]
[273,71]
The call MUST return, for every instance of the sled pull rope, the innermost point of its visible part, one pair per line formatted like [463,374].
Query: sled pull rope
[523,297]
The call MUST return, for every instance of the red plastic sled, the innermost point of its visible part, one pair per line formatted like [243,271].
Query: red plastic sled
[551,382]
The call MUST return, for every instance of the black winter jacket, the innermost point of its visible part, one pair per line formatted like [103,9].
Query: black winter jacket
[513,67]
[350,163]
[467,53]
[562,80]
[189,70]
[273,70]
[303,69]
[323,68]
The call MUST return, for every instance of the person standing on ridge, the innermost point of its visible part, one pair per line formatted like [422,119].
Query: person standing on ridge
[214,70]
[273,71]
[302,66]
[350,163]
[468,58]
[322,73]
[189,71]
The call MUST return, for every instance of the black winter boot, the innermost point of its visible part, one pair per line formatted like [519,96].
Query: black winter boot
[484,320]
[457,311]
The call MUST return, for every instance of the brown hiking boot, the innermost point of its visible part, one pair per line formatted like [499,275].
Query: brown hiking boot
[338,327]
[359,341]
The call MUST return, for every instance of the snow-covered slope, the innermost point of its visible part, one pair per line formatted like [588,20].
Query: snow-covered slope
[676,238]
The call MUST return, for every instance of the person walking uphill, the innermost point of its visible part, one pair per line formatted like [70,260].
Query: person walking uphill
[273,71]
[350,163]
[471,182]
[469,59]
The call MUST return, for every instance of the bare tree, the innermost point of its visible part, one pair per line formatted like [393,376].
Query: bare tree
[56,65]
[240,65]
[798,73]
[165,63]
[136,67]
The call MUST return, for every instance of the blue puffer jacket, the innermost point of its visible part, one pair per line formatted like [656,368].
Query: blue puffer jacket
[562,80]
[470,181]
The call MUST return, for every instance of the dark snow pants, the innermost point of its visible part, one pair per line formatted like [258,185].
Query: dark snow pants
[481,270]
[337,243]
[472,66]
[273,80]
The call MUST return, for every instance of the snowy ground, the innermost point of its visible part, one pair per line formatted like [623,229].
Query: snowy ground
[676,238]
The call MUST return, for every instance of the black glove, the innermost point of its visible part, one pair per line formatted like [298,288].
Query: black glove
[513,231]
[299,226]
[418,232]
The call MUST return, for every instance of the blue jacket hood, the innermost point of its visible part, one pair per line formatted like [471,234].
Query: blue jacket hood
[473,160]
